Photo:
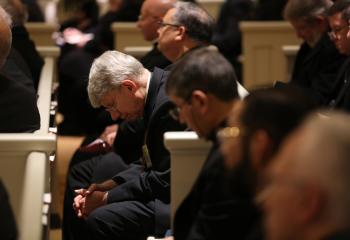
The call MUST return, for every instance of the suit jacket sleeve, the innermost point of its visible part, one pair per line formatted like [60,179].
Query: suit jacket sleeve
[155,182]
[147,186]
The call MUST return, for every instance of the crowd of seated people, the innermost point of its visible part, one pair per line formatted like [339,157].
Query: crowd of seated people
[277,168]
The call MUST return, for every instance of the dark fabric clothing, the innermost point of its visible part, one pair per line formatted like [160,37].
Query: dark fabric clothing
[8,229]
[154,58]
[269,10]
[15,68]
[136,184]
[341,91]
[34,11]
[211,210]
[227,35]
[315,69]
[103,35]
[26,48]
[19,111]
[341,235]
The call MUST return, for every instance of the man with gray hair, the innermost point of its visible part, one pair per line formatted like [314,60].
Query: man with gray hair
[130,199]
[317,61]
[307,193]
[184,27]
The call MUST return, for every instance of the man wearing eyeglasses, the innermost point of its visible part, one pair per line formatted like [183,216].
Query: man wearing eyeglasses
[203,87]
[339,22]
[152,12]
[317,61]
[184,27]
[118,197]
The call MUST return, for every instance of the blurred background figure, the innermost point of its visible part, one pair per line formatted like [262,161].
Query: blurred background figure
[24,62]
[152,13]
[307,194]
[73,70]
[35,14]
[227,35]
[318,60]
[257,126]
[17,96]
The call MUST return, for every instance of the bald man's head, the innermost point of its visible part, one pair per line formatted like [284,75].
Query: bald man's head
[5,35]
[152,12]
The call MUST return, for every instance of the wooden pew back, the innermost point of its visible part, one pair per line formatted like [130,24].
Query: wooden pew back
[25,165]
[188,154]
[263,59]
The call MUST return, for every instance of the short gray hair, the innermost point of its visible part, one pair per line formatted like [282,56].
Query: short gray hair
[108,71]
[197,21]
[5,36]
[325,160]
[306,10]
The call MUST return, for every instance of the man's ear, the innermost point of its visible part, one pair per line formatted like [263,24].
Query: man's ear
[129,85]
[181,33]
[260,149]
[200,101]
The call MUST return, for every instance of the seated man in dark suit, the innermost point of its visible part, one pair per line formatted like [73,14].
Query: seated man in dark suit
[152,13]
[339,22]
[204,100]
[133,199]
[318,60]
[306,193]
[18,103]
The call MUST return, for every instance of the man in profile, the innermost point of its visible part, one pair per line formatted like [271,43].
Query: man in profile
[152,13]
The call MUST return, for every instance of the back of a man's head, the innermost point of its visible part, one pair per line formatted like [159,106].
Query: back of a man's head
[276,111]
[306,10]
[198,23]
[5,35]
[205,70]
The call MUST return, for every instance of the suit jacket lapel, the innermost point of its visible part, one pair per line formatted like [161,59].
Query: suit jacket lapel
[152,94]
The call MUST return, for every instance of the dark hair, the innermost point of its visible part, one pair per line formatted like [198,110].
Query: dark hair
[338,6]
[197,21]
[206,70]
[277,111]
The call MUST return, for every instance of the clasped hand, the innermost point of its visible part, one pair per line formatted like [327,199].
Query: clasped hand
[89,199]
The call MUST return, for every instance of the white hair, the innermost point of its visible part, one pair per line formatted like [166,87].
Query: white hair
[108,71]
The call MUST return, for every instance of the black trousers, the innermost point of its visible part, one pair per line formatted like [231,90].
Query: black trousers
[121,220]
